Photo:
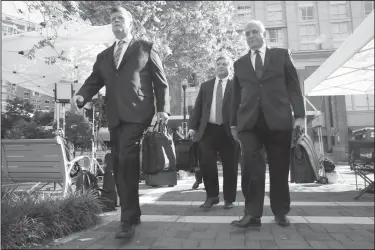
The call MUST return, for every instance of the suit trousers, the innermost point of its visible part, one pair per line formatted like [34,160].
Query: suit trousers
[125,139]
[216,140]
[277,145]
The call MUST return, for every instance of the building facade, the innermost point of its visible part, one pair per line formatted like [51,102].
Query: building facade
[13,25]
[313,30]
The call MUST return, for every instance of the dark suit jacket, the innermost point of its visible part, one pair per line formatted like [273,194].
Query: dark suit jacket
[130,88]
[201,112]
[275,92]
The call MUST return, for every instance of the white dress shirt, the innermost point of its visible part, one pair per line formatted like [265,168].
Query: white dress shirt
[212,118]
[124,48]
[262,53]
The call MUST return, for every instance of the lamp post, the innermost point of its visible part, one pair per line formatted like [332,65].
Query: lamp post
[184,86]
[184,123]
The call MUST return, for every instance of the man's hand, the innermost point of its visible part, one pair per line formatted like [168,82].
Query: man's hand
[235,134]
[299,122]
[191,133]
[79,101]
[163,116]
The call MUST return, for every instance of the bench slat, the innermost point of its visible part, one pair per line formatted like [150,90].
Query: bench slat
[33,158]
[36,169]
[33,164]
[35,176]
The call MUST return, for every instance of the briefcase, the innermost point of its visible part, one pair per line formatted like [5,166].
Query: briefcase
[158,151]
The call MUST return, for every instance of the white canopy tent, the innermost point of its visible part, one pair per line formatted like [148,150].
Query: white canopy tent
[350,69]
[80,44]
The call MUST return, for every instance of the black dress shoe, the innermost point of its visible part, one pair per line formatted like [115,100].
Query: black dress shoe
[209,203]
[282,221]
[196,185]
[228,205]
[247,221]
[127,231]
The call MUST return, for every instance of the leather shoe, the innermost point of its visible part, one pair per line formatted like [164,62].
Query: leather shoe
[247,221]
[196,185]
[209,203]
[228,205]
[127,231]
[282,221]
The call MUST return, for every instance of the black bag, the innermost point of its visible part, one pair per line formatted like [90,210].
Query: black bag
[158,151]
[183,154]
[305,166]
[109,196]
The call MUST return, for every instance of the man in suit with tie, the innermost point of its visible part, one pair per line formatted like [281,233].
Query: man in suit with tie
[209,124]
[133,75]
[266,87]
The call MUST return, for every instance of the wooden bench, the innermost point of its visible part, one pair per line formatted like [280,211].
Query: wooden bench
[37,160]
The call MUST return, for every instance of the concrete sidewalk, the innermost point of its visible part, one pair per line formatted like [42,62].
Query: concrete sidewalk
[322,216]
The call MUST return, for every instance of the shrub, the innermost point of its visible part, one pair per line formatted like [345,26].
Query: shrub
[31,219]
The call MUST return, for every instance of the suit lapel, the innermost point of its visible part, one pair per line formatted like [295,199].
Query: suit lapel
[210,89]
[132,45]
[227,92]
[266,60]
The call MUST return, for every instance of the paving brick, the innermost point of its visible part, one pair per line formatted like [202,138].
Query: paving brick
[317,228]
[229,244]
[317,244]
[358,245]
[340,237]
[223,235]
[253,244]
[336,228]
[204,235]
[206,244]
[316,236]
[168,243]
[268,244]
[265,235]
[293,244]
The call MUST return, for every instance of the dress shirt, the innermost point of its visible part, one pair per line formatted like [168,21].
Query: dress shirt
[212,118]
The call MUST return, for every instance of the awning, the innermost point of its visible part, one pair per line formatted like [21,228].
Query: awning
[350,69]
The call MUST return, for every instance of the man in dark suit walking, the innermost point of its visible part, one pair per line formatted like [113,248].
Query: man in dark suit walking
[266,86]
[132,72]
[209,124]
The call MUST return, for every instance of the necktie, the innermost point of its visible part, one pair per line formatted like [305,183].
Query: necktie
[258,65]
[116,58]
[219,103]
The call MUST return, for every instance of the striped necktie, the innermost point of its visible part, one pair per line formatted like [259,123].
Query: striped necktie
[219,103]
[116,58]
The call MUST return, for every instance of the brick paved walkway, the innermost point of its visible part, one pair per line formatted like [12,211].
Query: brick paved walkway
[323,217]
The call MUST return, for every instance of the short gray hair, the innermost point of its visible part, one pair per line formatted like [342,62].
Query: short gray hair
[258,23]
[122,10]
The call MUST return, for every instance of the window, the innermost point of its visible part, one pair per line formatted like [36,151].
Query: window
[306,11]
[46,101]
[33,101]
[37,106]
[308,35]
[340,30]
[26,94]
[275,36]
[36,93]
[39,101]
[339,9]
[307,32]
[369,7]
[244,14]
[274,12]
[244,7]
[46,107]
